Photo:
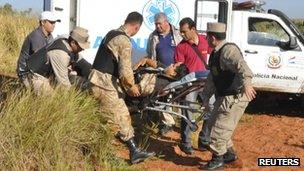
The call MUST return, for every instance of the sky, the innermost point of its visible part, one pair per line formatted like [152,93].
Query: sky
[292,8]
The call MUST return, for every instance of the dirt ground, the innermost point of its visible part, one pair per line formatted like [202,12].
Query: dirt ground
[278,131]
[267,129]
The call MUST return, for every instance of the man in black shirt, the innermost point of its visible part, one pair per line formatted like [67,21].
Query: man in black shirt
[37,39]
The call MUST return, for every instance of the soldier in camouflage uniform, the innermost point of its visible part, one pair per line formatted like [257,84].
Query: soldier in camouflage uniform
[230,81]
[112,77]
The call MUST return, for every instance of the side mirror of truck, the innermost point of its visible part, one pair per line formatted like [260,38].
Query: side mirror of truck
[291,44]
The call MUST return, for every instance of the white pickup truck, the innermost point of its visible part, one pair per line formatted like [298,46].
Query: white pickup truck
[270,42]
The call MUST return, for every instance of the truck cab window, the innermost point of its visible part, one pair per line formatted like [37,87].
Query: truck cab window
[209,11]
[266,32]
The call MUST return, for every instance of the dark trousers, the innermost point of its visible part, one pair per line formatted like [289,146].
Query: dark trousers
[185,127]
[204,135]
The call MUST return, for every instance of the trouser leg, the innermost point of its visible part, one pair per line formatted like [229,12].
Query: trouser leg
[25,81]
[185,127]
[40,84]
[116,111]
[204,135]
[224,120]
[112,103]
[167,119]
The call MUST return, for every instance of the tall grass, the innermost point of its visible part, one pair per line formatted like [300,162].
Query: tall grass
[64,131]
[14,28]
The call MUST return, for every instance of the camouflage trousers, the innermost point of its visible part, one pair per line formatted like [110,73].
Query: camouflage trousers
[115,110]
[40,84]
[224,118]
[147,86]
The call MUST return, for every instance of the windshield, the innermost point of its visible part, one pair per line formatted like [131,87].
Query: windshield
[266,32]
[289,23]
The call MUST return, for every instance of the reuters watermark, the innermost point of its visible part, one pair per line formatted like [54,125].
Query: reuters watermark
[279,161]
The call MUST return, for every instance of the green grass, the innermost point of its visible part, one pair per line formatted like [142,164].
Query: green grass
[60,132]
[13,30]
[65,131]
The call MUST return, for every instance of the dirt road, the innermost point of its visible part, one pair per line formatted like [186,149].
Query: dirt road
[257,136]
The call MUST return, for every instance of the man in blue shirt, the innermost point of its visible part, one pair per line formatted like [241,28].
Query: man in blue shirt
[161,46]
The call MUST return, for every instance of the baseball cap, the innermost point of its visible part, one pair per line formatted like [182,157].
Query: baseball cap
[48,15]
[81,36]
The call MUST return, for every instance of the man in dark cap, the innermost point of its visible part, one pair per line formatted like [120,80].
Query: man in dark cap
[230,81]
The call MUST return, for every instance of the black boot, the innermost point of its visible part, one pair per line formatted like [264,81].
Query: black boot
[186,149]
[230,155]
[202,146]
[137,155]
[216,162]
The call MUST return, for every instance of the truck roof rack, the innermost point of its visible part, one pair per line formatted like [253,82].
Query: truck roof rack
[249,5]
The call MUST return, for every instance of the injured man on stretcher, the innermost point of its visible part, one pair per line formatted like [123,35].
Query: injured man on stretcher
[153,76]
[164,87]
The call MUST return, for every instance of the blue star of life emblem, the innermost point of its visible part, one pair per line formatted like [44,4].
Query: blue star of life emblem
[153,7]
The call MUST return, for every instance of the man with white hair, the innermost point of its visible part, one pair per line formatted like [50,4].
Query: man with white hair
[37,39]
[161,46]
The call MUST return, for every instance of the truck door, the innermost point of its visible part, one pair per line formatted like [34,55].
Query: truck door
[212,11]
[65,11]
[276,65]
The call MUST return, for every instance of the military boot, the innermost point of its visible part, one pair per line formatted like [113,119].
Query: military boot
[230,155]
[217,162]
[137,155]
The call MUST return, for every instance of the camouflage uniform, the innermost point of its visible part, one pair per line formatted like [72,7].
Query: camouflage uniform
[109,89]
[147,84]
[228,109]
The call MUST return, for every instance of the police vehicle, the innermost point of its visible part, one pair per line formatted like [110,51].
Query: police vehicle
[271,44]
